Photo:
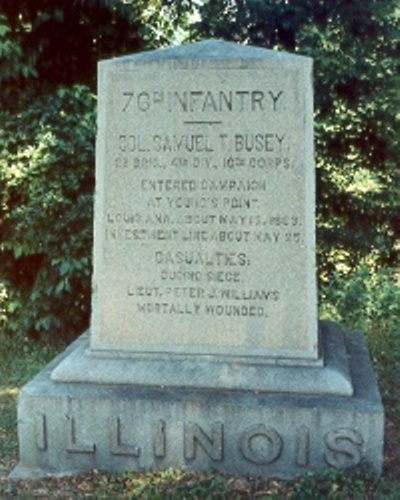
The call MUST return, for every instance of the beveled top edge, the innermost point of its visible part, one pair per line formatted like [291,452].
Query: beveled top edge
[211,49]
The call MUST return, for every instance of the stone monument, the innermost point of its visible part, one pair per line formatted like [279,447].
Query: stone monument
[204,349]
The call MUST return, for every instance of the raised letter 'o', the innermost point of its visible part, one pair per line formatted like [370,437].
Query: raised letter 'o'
[265,454]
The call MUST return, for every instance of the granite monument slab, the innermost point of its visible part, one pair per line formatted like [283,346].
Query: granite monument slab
[205,192]
[204,348]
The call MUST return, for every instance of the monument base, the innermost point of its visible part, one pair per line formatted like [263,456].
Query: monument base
[70,427]
[328,375]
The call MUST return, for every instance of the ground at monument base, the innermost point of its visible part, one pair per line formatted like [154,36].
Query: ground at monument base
[66,428]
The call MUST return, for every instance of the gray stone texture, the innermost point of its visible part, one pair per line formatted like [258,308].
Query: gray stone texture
[71,427]
[212,371]
[204,217]
[204,349]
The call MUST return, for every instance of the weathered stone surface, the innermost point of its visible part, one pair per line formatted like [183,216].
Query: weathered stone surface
[204,225]
[71,427]
[170,370]
[204,348]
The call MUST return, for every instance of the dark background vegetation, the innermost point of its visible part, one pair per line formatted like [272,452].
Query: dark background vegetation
[48,55]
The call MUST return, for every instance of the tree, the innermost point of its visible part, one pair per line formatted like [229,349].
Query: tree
[49,50]
[354,46]
[62,40]
[48,55]
[46,180]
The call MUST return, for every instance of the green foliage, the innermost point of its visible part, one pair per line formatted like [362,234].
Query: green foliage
[63,40]
[368,298]
[166,22]
[47,177]
[51,43]
[334,484]
[20,360]
[48,56]
[47,135]
[13,62]
[15,65]
[171,483]
[355,48]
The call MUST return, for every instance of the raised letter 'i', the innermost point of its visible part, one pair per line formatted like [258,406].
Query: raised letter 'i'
[302,446]
[159,440]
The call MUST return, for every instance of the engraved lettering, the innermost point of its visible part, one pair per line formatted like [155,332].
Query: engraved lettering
[275,98]
[203,258]
[72,444]
[233,310]
[213,446]
[159,439]
[200,101]
[260,444]
[258,142]
[116,445]
[143,101]
[205,183]
[41,431]
[302,446]
[344,448]
[129,96]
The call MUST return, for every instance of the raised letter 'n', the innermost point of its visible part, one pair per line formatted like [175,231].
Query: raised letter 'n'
[213,446]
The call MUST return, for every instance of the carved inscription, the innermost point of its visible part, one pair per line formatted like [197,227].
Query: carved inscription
[344,448]
[117,447]
[41,431]
[258,444]
[72,443]
[188,208]
[196,436]
[159,439]
[203,205]
[303,446]
[203,212]
[196,100]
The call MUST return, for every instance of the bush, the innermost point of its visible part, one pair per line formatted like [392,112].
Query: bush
[47,138]
[365,297]
[47,179]
[355,50]
[368,299]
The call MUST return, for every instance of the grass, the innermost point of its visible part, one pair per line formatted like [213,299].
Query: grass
[179,484]
[21,358]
